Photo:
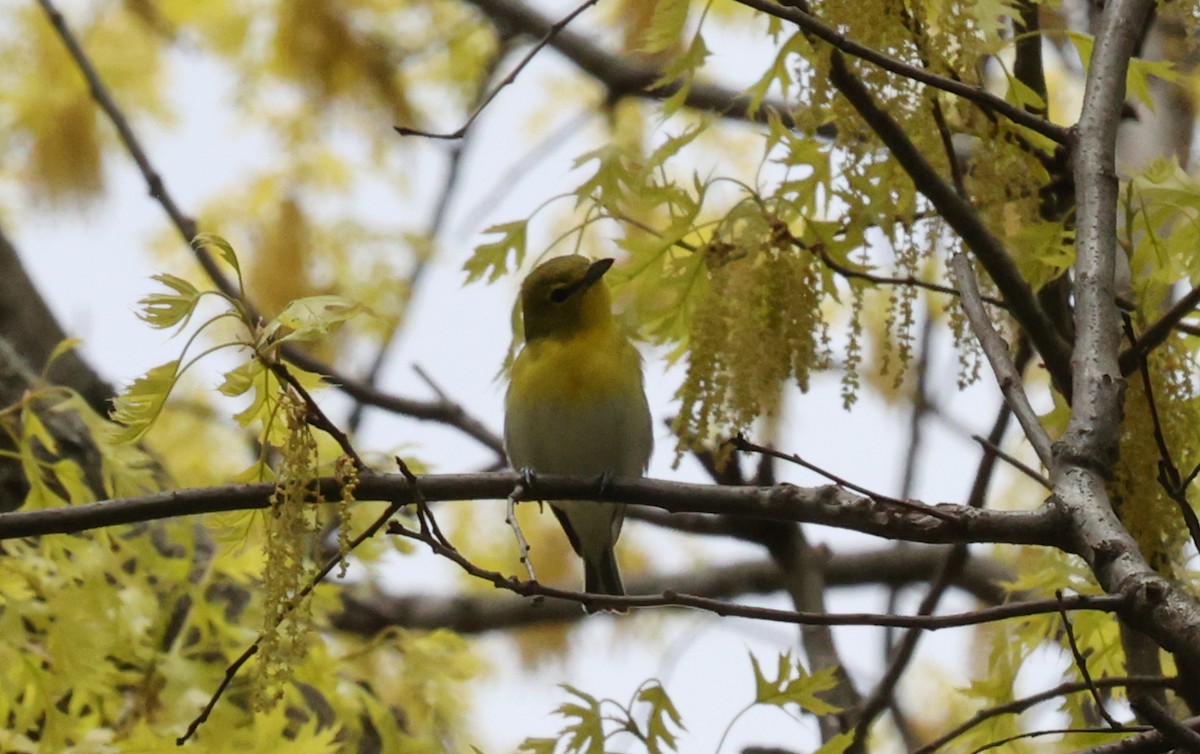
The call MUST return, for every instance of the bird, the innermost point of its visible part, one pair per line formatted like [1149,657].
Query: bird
[576,404]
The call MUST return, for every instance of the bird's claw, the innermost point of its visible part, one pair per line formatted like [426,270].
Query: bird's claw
[528,478]
[606,482]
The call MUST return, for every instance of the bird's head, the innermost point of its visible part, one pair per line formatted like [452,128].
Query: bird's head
[564,296]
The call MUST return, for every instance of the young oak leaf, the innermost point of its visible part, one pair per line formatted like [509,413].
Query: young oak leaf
[223,248]
[663,715]
[587,735]
[241,378]
[143,401]
[163,310]
[538,746]
[802,689]
[491,259]
[309,318]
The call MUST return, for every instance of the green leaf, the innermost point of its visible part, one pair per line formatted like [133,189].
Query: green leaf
[162,310]
[1137,80]
[683,69]
[309,318]
[838,744]
[32,428]
[780,72]
[491,259]
[794,686]
[240,379]
[538,745]
[666,26]
[663,715]
[143,401]
[69,476]
[223,248]
[605,186]
[586,735]
[65,345]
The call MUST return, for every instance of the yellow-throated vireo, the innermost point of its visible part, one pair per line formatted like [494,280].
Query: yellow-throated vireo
[576,404]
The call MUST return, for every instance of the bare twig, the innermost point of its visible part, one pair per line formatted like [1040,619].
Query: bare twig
[623,76]
[1169,477]
[996,351]
[1081,665]
[1012,460]
[510,518]
[800,16]
[741,443]
[314,415]
[474,612]
[1050,732]
[669,598]
[232,670]
[1017,706]
[510,78]
[1156,334]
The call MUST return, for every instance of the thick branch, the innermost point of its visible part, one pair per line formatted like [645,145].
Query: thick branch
[829,505]
[624,77]
[1085,456]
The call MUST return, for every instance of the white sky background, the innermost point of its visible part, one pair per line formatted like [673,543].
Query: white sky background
[94,265]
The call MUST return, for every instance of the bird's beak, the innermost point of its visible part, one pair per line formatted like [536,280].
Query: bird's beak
[595,271]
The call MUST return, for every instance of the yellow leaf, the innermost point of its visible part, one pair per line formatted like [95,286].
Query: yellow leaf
[162,310]
[142,402]
[308,318]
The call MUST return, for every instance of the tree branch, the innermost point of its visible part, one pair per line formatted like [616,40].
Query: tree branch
[370,610]
[451,414]
[828,505]
[1085,455]
[801,17]
[996,351]
[671,598]
[623,77]
[961,216]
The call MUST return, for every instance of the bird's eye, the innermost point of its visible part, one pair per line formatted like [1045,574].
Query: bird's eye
[559,293]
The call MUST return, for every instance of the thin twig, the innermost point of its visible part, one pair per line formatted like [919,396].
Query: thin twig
[1105,603]
[1013,461]
[510,78]
[1052,732]
[1169,477]
[314,415]
[741,443]
[232,670]
[1156,334]
[1081,665]
[801,17]
[1017,706]
[996,351]
[510,518]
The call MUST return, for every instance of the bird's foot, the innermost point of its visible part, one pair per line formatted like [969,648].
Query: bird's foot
[606,481]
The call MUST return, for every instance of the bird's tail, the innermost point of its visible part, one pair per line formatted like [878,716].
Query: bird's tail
[601,576]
